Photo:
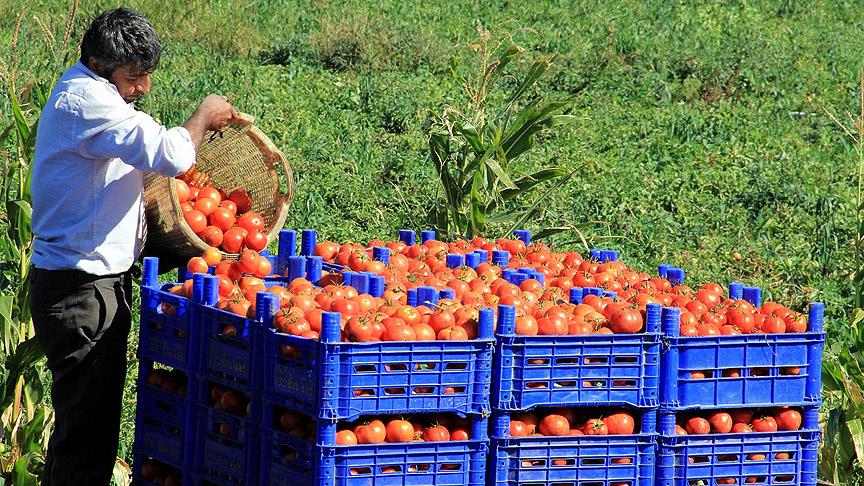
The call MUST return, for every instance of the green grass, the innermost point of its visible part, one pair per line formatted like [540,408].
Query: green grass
[701,133]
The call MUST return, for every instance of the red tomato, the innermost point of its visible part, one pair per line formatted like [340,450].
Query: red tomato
[788,419]
[399,333]
[210,193]
[552,326]
[697,426]
[518,428]
[196,265]
[764,424]
[626,321]
[212,236]
[196,220]
[436,434]
[399,431]
[796,322]
[619,423]
[248,262]
[372,433]
[222,218]
[346,437]
[241,198]
[526,326]
[264,267]
[251,222]
[455,333]
[182,190]
[554,425]
[230,206]
[595,427]
[741,319]
[774,325]
[256,240]
[721,422]
[205,205]
[460,433]
[232,240]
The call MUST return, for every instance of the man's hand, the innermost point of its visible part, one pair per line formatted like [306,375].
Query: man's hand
[214,113]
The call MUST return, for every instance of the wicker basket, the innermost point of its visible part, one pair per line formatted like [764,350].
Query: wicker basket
[240,156]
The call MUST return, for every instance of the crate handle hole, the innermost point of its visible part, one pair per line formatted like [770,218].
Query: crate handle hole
[395,391]
[625,359]
[727,458]
[567,361]
[791,371]
[596,360]
[594,384]
[759,372]
[423,390]
[451,467]
[756,457]
[391,469]
[449,390]
[699,460]
[396,367]
[538,361]
[425,366]
[731,373]
[361,471]
[563,462]
[367,368]
[756,480]
[534,463]
[364,392]
[622,460]
[787,478]
[456,366]
[600,461]
[419,468]
[784,456]
[623,383]
[564,384]
[701,374]
[536,385]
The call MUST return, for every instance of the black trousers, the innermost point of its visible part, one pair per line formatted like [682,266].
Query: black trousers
[82,322]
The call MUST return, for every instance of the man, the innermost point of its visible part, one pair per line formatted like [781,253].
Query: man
[92,148]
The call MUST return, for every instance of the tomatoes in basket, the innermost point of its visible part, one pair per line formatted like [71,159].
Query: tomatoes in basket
[196,220]
[251,222]
[241,198]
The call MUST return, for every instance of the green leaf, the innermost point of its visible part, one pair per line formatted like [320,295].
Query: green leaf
[478,217]
[537,70]
[509,53]
[502,176]
[26,355]
[543,197]
[856,429]
[525,184]
[21,475]
[20,214]
[471,135]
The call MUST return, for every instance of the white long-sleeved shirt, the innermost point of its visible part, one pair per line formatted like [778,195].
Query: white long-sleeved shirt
[91,151]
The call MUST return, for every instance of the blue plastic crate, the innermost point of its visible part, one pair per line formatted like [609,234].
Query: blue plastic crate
[232,357]
[601,460]
[337,380]
[229,447]
[774,369]
[168,332]
[164,421]
[684,460]
[288,460]
[574,370]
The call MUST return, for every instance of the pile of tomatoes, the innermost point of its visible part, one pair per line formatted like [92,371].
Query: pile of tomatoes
[380,430]
[738,421]
[160,473]
[710,314]
[559,422]
[172,381]
[221,220]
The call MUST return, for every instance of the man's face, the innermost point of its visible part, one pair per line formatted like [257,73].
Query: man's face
[130,82]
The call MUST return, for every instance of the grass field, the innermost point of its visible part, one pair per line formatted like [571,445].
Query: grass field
[700,131]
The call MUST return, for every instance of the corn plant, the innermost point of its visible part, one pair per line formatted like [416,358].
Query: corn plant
[25,418]
[842,452]
[474,149]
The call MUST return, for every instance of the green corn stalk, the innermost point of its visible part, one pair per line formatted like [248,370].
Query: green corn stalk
[473,151]
[842,452]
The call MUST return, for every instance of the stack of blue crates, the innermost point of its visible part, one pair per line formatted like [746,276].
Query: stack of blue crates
[771,370]
[333,382]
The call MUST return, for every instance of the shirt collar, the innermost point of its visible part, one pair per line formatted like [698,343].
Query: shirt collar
[90,74]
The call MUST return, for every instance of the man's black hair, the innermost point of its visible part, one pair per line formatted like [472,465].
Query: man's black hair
[121,37]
